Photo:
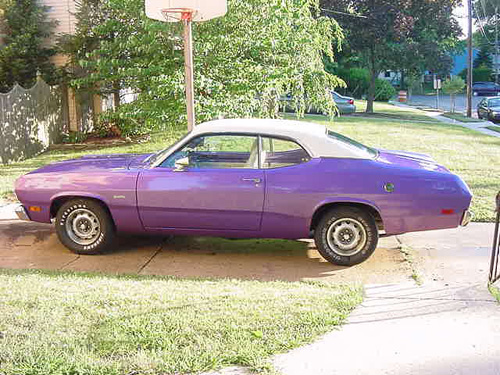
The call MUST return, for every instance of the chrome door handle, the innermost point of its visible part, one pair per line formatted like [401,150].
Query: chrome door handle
[255,180]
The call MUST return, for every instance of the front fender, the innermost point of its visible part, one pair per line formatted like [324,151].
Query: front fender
[79,194]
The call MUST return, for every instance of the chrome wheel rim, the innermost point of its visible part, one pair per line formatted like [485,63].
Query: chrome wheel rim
[346,236]
[83,226]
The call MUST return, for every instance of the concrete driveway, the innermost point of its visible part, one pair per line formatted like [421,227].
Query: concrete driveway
[32,245]
[458,255]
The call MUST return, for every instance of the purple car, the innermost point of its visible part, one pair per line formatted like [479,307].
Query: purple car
[249,179]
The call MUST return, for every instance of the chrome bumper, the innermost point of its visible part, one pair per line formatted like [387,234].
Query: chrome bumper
[466,218]
[21,213]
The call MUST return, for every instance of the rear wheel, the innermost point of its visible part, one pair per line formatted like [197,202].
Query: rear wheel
[84,226]
[346,236]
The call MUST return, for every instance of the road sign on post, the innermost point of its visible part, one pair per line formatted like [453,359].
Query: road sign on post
[437,87]
[186,11]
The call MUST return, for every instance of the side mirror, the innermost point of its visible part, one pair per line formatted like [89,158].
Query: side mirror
[181,164]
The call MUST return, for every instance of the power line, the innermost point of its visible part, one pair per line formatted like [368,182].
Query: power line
[481,28]
[343,13]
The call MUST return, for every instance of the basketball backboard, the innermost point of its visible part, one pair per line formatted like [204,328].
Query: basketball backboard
[203,10]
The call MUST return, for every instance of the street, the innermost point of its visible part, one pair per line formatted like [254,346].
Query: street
[445,102]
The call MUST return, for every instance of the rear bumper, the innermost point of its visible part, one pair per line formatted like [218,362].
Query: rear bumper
[21,213]
[466,218]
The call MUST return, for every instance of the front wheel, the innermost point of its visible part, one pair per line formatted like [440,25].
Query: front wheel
[346,236]
[84,226]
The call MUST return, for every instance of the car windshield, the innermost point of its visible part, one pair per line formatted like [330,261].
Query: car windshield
[371,152]
[494,102]
[160,154]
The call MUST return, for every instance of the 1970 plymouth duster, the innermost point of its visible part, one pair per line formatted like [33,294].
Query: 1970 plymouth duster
[247,179]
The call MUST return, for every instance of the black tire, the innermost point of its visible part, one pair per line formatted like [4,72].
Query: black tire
[95,232]
[350,222]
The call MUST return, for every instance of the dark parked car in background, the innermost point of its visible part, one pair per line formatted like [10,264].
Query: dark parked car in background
[485,88]
[489,109]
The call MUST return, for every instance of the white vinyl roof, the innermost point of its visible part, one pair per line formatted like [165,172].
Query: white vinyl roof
[312,136]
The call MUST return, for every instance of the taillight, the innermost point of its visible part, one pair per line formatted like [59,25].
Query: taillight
[351,101]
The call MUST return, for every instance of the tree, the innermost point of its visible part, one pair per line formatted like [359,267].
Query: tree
[243,61]
[483,59]
[481,74]
[487,15]
[406,35]
[24,52]
[453,86]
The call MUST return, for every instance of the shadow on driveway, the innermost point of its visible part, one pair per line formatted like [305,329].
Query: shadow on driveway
[25,245]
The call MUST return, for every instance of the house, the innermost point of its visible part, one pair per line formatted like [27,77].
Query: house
[393,77]
[460,61]
[82,110]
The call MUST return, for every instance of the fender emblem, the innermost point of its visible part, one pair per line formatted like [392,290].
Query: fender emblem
[389,187]
[118,196]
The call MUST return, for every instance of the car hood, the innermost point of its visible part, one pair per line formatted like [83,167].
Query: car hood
[410,160]
[91,163]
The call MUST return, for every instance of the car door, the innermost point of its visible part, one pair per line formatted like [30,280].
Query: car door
[286,166]
[219,186]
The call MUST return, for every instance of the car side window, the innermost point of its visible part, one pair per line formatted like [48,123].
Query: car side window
[278,153]
[217,152]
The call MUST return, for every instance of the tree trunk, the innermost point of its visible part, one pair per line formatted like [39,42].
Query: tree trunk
[371,91]
[116,94]
[373,77]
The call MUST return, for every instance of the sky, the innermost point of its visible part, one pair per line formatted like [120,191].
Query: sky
[460,14]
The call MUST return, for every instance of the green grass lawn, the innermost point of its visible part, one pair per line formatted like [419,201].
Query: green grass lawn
[460,117]
[389,111]
[67,323]
[470,154]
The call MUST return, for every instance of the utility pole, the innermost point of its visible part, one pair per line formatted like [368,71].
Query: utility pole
[187,18]
[469,59]
[496,44]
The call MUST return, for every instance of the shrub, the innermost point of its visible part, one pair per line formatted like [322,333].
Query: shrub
[481,74]
[384,91]
[357,80]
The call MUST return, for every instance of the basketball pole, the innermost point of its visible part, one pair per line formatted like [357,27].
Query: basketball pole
[187,19]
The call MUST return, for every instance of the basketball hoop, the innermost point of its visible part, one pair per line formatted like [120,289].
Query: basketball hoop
[187,12]
[178,14]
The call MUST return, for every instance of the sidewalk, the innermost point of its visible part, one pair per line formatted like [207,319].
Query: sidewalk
[403,329]
[477,126]
[448,326]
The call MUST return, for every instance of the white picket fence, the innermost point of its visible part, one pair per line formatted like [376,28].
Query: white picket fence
[30,120]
